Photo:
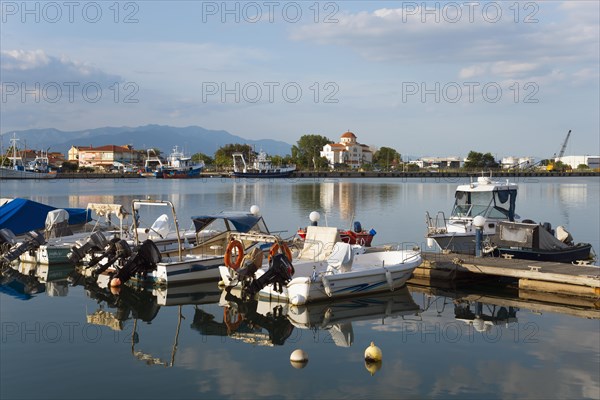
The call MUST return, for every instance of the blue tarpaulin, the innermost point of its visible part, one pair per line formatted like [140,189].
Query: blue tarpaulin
[22,215]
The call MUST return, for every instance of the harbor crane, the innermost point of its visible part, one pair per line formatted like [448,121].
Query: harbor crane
[551,164]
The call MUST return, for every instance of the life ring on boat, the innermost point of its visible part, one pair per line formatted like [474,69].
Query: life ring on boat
[284,249]
[234,244]
[351,236]
[232,326]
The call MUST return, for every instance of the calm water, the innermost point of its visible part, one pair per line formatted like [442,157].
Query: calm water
[78,341]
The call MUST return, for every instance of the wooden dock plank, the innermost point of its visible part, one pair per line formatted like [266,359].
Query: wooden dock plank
[581,275]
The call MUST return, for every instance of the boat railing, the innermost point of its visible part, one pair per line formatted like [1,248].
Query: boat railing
[436,225]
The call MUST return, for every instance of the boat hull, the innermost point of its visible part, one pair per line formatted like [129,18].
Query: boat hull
[365,277]
[457,243]
[572,254]
[9,173]
[285,174]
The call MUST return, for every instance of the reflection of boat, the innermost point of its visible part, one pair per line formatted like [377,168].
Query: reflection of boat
[326,268]
[17,169]
[206,292]
[479,319]
[537,242]
[260,168]
[243,320]
[181,166]
[493,200]
[337,316]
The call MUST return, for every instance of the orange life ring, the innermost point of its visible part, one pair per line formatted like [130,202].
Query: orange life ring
[284,249]
[229,254]
[351,236]
[232,326]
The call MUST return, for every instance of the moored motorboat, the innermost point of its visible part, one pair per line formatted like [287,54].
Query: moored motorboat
[14,167]
[325,268]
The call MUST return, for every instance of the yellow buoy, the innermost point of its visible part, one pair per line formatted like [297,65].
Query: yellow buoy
[299,359]
[372,353]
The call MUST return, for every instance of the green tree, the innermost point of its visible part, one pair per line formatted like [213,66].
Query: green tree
[386,157]
[480,160]
[69,166]
[224,155]
[208,160]
[306,153]
[583,167]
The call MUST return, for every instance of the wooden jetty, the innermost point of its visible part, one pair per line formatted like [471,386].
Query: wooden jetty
[561,278]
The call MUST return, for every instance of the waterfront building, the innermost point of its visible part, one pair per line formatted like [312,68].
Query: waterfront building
[105,157]
[593,162]
[348,151]
[438,162]
[512,162]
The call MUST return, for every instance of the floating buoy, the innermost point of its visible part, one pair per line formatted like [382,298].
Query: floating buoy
[299,359]
[372,366]
[372,353]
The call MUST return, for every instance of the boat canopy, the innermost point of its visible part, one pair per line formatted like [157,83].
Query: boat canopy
[495,204]
[235,221]
[23,215]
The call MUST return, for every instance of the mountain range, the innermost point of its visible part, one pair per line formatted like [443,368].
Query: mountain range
[190,139]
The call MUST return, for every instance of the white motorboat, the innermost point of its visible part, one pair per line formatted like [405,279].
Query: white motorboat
[327,268]
[261,167]
[493,200]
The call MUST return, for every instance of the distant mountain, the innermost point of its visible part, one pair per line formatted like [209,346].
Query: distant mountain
[192,139]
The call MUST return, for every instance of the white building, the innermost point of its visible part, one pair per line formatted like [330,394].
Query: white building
[348,151]
[517,162]
[574,161]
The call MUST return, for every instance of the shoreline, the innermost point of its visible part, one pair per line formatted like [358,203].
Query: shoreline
[347,174]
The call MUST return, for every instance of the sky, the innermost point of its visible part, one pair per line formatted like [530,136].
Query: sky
[425,78]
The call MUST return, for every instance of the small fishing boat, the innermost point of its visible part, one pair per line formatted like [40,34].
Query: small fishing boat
[153,165]
[262,167]
[144,262]
[180,166]
[14,167]
[350,236]
[325,268]
[531,241]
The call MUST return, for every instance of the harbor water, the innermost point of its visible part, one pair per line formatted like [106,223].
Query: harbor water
[62,339]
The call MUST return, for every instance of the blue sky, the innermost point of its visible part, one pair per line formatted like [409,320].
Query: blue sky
[425,78]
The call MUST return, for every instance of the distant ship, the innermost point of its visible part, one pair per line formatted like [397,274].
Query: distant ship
[16,167]
[260,168]
[178,166]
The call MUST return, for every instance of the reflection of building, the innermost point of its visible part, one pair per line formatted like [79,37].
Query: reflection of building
[348,151]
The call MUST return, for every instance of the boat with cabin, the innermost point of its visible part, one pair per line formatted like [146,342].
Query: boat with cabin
[180,166]
[490,205]
[12,166]
[261,167]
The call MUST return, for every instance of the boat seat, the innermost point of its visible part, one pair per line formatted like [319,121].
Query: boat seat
[319,243]
[341,257]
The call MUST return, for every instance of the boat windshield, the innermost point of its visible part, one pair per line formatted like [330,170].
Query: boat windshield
[496,204]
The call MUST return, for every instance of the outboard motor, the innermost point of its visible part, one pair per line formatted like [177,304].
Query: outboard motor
[95,242]
[32,241]
[279,274]
[7,240]
[143,261]
[116,249]
[357,227]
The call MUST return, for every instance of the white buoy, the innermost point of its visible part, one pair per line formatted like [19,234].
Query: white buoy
[314,217]
[255,210]
[373,353]
[299,359]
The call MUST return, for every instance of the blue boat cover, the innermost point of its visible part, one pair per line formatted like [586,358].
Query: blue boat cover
[22,215]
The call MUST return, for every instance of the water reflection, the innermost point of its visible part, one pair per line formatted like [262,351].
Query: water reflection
[25,280]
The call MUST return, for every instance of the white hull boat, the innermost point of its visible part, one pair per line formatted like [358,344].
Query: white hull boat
[327,268]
